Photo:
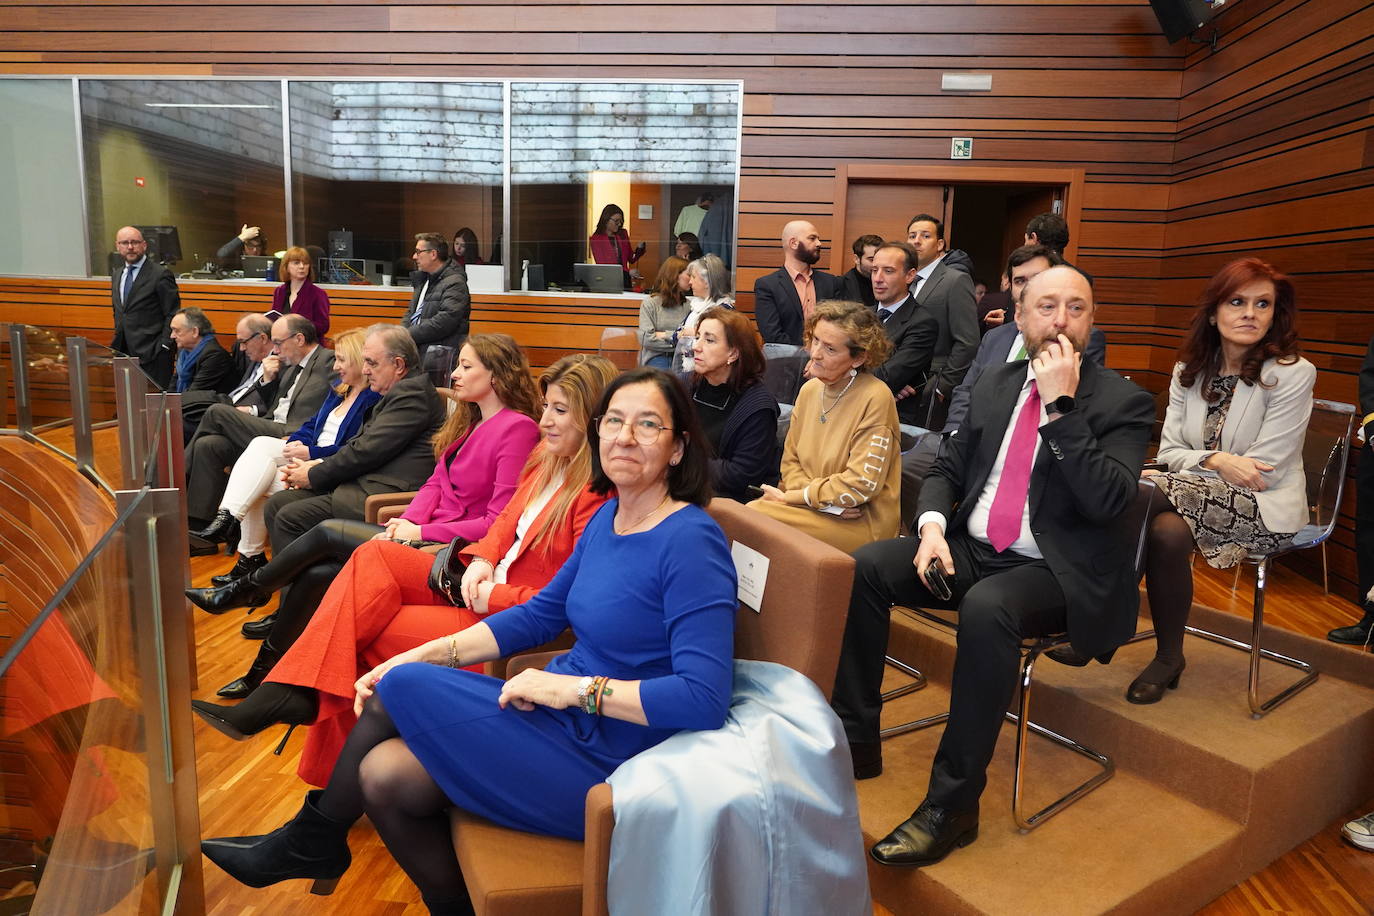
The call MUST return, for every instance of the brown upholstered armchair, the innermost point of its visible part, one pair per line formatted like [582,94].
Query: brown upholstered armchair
[801,625]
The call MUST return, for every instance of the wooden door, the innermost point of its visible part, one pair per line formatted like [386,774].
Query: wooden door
[881,208]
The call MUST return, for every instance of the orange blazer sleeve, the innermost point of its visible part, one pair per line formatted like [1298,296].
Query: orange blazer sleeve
[533,567]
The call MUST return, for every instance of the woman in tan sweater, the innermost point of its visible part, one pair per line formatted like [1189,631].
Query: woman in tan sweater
[841,463]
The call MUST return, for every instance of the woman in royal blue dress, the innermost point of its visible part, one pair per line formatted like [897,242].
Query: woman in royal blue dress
[650,594]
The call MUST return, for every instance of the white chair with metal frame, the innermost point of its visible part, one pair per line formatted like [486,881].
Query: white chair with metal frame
[1328,437]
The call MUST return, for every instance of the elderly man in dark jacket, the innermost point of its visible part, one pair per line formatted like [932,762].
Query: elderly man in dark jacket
[391,453]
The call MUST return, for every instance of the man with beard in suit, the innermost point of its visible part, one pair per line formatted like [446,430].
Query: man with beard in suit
[784,298]
[911,329]
[144,296]
[1024,515]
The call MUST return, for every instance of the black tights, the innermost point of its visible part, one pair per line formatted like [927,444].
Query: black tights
[377,775]
[1168,583]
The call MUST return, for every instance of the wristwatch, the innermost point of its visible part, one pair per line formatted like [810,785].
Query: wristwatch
[1061,405]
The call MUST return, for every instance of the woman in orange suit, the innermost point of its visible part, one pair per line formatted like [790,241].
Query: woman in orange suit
[381,603]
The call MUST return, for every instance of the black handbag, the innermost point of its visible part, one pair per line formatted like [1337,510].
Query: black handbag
[446,572]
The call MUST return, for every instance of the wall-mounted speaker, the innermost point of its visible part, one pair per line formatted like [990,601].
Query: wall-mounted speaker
[1181,18]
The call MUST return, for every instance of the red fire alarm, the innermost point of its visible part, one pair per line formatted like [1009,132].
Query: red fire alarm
[140,182]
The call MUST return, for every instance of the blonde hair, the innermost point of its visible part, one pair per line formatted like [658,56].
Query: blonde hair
[510,378]
[349,346]
[582,377]
[860,324]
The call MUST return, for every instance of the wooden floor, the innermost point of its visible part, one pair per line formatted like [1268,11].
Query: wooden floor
[1323,875]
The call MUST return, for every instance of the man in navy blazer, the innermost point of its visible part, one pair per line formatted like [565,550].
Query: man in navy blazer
[910,328]
[144,297]
[1024,513]
[778,306]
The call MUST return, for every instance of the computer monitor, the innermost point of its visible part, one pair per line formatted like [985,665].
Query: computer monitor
[600,278]
[164,244]
[255,266]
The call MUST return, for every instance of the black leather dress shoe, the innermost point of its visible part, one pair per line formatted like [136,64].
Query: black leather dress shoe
[1355,635]
[930,834]
[867,757]
[258,629]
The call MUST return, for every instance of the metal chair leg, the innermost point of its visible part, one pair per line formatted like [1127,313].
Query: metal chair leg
[919,679]
[1258,707]
[1023,725]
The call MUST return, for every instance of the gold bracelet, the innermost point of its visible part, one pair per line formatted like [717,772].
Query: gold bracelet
[453,650]
[1367,418]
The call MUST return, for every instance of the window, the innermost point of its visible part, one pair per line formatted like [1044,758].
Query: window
[192,159]
[373,163]
[41,231]
[649,149]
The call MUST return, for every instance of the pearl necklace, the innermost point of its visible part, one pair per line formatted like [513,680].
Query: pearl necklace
[642,519]
[825,410]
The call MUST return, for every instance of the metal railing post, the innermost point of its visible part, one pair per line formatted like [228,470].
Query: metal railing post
[78,378]
[130,386]
[161,624]
[19,359]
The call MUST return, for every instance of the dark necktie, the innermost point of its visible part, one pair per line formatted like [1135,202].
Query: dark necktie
[129,273]
[884,314]
[1004,518]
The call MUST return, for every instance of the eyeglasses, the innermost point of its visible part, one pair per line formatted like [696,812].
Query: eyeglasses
[645,431]
[421,250]
[283,340]
[249,338]
[130,243]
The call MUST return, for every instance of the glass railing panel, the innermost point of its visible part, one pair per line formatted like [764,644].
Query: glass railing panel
[76,825]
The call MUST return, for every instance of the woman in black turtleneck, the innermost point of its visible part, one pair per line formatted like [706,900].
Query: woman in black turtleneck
[738,413]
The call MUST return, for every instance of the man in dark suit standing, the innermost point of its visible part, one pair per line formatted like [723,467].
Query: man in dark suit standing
[144,296]
[393,451]
[910,328]
[1358,634]
[784,298]
[1023,512]
[858,280]
[943,287]
[295,380]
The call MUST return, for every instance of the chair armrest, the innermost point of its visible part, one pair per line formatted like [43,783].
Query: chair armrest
[372,507]
[596,850]
[530,660]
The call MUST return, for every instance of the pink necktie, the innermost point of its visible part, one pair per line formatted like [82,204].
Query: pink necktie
[1004,518]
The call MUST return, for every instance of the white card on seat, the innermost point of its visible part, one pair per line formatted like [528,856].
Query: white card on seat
[751,568]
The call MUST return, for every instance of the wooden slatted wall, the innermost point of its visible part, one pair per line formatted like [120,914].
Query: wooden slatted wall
[1190,156]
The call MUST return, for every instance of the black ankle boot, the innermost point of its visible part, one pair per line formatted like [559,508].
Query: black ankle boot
[271,704]
[262,663]
[242,567]
[222,528]
[310,845]
[242,592]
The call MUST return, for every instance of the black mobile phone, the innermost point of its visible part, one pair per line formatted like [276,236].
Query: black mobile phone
[753,493]
[937,581]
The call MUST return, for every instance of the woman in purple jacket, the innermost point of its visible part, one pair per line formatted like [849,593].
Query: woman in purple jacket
[298,293]
[480,450]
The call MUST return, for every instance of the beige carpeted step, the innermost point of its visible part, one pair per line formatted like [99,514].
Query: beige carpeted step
[1203,796]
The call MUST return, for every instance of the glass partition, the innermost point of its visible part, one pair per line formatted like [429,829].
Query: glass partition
[40,233]
[374,163]
[650,150]
[189,162]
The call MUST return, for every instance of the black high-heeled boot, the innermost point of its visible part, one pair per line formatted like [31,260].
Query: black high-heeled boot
[242,567]
[241,687]
[271,704]
[310,845]
[222,528]
[242,592]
